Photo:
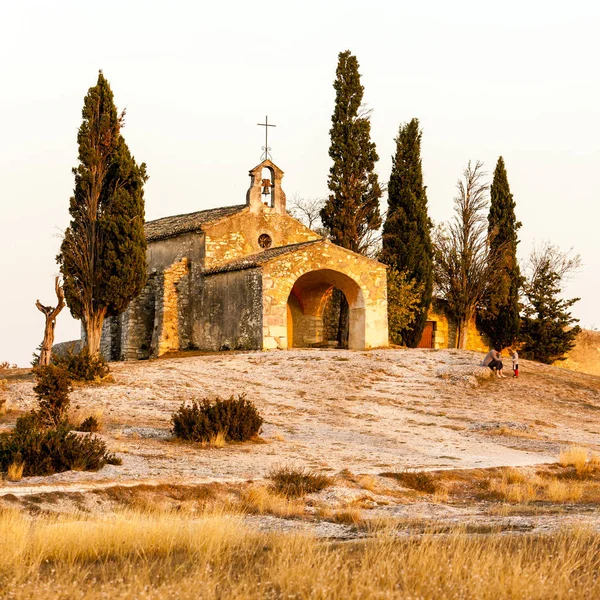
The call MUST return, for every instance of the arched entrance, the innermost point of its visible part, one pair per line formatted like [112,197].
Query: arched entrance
[306,304]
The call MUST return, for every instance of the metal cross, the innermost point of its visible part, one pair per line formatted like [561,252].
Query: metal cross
[266,155]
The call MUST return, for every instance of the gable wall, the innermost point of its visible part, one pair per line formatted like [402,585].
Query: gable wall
[237,235]
[163,253]
[280,274]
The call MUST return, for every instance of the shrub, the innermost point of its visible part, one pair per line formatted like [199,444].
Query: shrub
[82,366]
[3,384]
[46,450]
[237,419]
[294,482]
[42,442]
[90,425]
[52,389]
[421,481]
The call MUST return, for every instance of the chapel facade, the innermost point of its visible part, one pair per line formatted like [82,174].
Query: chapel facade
[245,277]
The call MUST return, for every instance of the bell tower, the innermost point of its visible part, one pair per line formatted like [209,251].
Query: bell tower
[265,188]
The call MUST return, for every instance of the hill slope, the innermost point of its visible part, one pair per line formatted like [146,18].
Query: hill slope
[331,410]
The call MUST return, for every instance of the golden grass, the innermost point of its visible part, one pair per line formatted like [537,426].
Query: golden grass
[576,456]
[136,555]
[564,491]
[218,440]
[261,500]
[367,482]
[521,492]
[347,516]
[15,471]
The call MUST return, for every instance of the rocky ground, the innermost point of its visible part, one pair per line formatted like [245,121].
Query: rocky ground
[362,413]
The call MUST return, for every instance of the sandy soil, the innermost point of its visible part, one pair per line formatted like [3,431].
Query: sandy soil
[369,412]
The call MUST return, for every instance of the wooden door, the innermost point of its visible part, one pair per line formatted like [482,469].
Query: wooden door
[426,340]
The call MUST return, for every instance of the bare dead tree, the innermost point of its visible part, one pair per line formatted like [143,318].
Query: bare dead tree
[50,313]
[548,256]
[463,265]
[308,212]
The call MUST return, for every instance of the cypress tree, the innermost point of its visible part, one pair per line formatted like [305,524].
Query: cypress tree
[407,245]
[499,314]
[351,212]
[103,254]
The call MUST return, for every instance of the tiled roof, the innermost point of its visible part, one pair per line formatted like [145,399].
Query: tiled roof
[255,260]
[178,224]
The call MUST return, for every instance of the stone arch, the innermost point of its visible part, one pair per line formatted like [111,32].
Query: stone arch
[306,301]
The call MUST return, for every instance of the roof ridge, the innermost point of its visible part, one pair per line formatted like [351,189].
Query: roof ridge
[173,225]
[197,212]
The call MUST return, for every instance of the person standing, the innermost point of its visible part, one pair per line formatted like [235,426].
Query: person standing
[515,361]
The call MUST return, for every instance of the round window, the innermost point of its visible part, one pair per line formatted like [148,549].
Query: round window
[264,240]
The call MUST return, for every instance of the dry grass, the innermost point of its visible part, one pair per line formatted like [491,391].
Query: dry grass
[516,492]
[262,501]
[511,432]
[294,482]
[564,491]
[15,471]
[217,441]
[347,516]
[169,556]
[367,482]
[420,481]
[576,456]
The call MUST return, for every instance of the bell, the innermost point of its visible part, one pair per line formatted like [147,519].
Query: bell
[266,187]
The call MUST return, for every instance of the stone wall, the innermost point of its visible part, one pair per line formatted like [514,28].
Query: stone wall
[237,236]
[163,253]
[171,309]
[445,332]
[363,281]
[227,309]
[110,342]
[137,324]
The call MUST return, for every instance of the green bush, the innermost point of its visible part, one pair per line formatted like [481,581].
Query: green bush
[90,425]
[42,439]
[82,366]
[237,418]
[294,482]
[52,389]
[47,450]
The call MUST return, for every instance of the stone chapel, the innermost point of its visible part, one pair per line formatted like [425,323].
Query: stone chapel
[245,277]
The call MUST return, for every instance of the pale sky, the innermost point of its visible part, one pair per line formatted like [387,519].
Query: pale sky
[517,79]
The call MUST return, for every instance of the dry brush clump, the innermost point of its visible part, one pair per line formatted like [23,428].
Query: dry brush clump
[263,500]
[3,388]
[232,420]
[580,460]
[420,481]
[295,482]
[154,555]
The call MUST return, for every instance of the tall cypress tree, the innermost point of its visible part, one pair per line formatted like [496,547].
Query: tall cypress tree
[406,240]
[499,313]
[351,212]
[103,255]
